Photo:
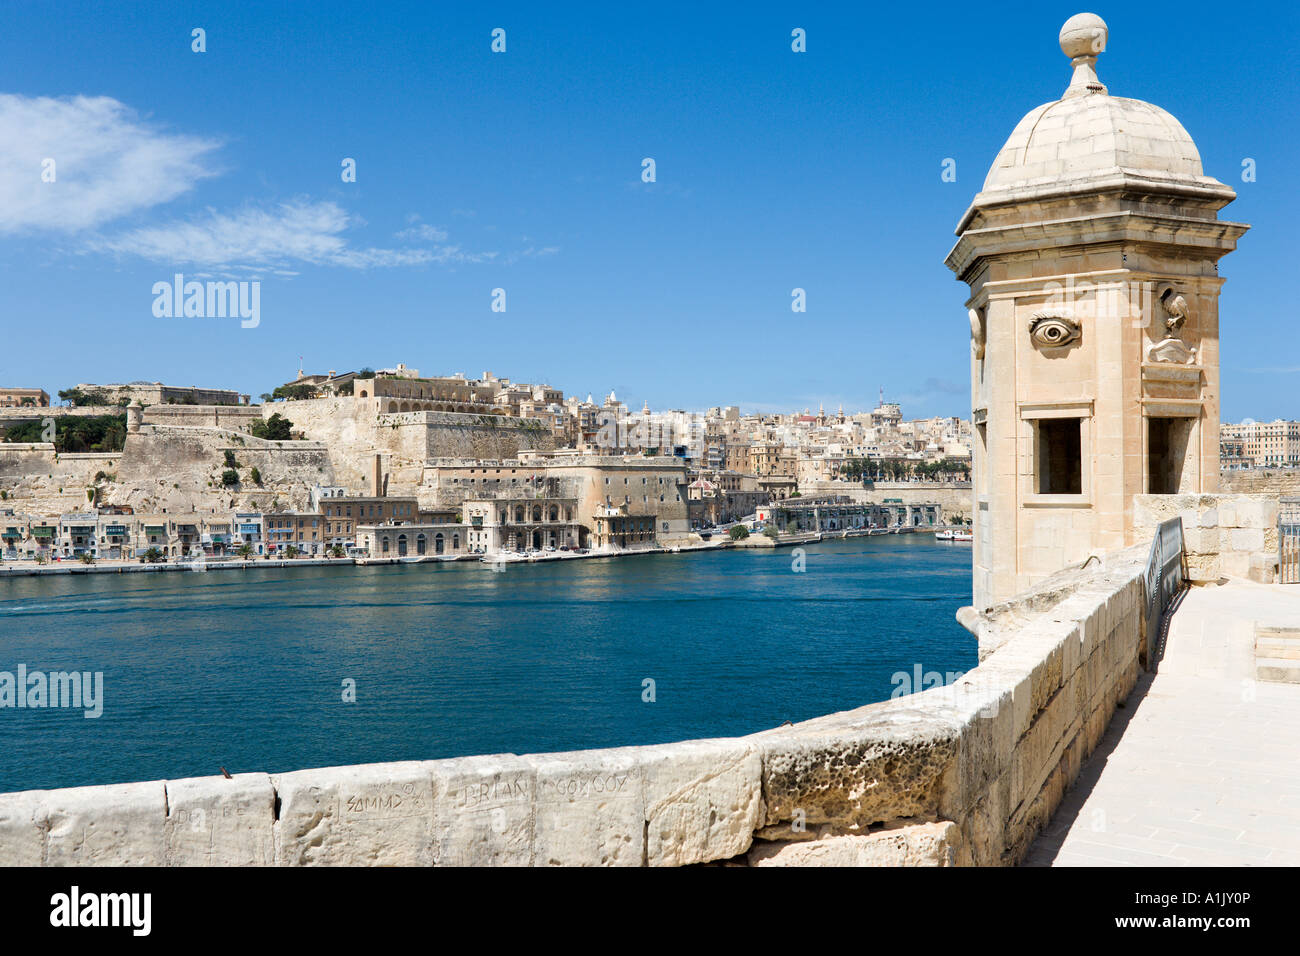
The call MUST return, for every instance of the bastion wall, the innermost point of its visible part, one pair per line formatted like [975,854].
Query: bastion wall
[956,775]
[1261,481]
[179,468]
[234,417]
[355,431]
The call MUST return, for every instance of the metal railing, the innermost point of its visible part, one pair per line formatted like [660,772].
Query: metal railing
[1165,579]
[1288,541]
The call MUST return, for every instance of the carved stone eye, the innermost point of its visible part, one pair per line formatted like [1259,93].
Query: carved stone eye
[1053,330]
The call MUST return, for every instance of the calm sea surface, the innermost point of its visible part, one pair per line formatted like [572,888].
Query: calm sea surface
[245,669]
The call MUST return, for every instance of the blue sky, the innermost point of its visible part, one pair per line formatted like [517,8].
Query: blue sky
[522,171]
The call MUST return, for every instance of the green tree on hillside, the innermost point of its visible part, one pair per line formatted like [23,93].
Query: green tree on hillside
[275,428]
[75,433]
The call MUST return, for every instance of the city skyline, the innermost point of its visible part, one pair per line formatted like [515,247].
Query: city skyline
[775,170]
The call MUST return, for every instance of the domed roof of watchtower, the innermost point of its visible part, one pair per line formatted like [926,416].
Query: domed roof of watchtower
[1088,135]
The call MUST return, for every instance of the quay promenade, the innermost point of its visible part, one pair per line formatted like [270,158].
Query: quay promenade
[1200,768]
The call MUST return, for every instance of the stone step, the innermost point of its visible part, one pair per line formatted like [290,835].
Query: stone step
[1278,669]
[1285,647]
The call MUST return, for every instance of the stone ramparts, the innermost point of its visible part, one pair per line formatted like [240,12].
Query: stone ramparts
[233,417]
[961,774]
[1261,481]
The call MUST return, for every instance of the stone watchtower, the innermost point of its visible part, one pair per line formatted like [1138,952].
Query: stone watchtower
[1092,258]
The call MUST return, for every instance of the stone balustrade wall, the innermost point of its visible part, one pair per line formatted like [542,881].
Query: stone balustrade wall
[961,774]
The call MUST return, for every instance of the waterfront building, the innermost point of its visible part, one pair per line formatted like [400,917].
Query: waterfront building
[723,498]
[523,522]
[116,532]
[246,529]
[411,540]
[217,537]
[1091,254]
[341,515]
[653,486]
[827,513]
[78,535]
[301,531]
[619,528]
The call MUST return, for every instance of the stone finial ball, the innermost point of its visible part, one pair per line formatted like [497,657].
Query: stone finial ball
[1084,34]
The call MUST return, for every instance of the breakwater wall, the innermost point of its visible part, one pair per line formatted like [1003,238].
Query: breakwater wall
[961,774]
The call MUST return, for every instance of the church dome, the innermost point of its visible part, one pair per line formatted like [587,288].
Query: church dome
[1089,136]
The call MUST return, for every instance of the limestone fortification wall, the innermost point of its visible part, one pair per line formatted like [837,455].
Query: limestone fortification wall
[1283,482]
[172,467]
[233,417]
[37,479]
[14,416]
[191,460]
[18,459]
[1225,535]
[355,431]
[962,774]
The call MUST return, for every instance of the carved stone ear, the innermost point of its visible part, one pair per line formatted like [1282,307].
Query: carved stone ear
[977,332]
[1053,330]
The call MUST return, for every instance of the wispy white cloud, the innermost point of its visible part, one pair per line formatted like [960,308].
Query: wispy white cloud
[280,237]
[104,162]
[532,252]
[107,162]
[423,232]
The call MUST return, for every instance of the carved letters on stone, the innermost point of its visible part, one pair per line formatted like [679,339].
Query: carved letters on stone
[1054,329]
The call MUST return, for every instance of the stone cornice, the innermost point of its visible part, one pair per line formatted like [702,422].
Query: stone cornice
[1124,226]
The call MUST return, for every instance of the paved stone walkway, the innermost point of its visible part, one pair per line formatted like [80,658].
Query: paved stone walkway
[1202,766]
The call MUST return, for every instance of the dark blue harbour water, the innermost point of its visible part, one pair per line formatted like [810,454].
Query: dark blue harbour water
[245,669]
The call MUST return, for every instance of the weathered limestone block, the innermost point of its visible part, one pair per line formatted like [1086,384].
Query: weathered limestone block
[1017,681]
[1248,539]
[1235,564]
[368,815]
[484,811]
[1257,513]
[703,799]
[927,844]
[986,824]
[22,841]
[590,809]
[1040,750]
[889,763]
[115,825]
[1202,540]
[212,821]
[983,702]
[1263,567]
